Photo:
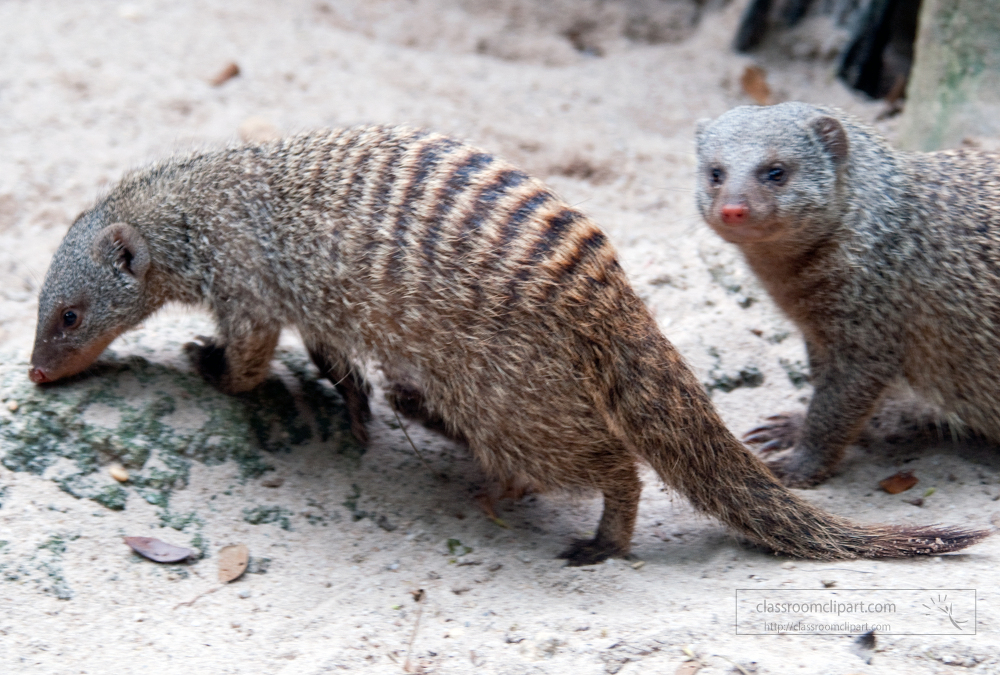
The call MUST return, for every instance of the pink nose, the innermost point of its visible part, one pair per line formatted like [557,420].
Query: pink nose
[37,375]
[734,214]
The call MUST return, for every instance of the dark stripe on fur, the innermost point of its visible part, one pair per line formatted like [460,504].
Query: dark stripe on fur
[428,157]
[520,214]
[457,183]
[589,247]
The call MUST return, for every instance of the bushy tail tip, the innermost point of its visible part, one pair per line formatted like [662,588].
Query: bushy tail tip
[900,541]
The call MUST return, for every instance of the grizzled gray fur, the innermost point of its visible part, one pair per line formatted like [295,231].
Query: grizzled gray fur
[887,261]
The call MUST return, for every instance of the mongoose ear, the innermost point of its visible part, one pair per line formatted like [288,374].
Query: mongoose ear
[701,127]
[832,135]
[121,246]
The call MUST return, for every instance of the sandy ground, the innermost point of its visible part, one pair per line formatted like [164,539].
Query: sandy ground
[89,89]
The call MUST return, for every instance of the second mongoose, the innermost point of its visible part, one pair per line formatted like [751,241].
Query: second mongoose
[506,309]
[887,261]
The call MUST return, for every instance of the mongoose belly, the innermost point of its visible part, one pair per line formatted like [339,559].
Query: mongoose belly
[506,307]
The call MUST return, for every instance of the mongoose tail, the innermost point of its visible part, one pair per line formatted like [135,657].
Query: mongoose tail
[655,406]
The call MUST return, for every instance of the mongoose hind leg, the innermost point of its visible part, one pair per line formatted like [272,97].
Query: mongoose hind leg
[234,364]
[614,533]
[350,384]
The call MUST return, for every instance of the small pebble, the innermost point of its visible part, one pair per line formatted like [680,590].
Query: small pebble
[12,406]
[118,472]
[638,564]
[258,130]
[245,593]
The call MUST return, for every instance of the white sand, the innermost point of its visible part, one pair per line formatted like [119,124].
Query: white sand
[89,89]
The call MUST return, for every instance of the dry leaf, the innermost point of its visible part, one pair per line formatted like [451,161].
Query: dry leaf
[226,74]
[159,551]
[754,83]
[688,668]
[899,482]
[233,562]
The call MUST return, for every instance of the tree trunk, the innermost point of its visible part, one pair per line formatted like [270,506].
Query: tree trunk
[954,88]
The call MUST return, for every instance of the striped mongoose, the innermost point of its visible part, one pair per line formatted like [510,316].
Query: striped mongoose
[407,249]
[887,261]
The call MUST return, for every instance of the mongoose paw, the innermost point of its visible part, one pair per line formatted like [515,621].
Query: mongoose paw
[793,472]
[590,552]
[782,431]
[208,358]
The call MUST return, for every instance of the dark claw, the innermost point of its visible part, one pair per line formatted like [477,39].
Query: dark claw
[772,446]
[589,552]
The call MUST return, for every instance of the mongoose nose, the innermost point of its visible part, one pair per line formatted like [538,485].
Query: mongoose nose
[734,214]
[37,375]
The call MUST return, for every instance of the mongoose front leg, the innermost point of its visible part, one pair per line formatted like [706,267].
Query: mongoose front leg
[235,362]
[614,533]
[350,384]
[784,430]
[845,397]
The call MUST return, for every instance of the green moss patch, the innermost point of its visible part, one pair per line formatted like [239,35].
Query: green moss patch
[156,421]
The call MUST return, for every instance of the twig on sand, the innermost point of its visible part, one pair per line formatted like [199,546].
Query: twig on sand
[418,596]
[188,603]
[412,444]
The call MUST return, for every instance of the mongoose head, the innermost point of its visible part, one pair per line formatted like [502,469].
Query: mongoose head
[768,174]
[95,289]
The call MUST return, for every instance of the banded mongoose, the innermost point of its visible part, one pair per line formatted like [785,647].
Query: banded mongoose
[887,261]
[506,307]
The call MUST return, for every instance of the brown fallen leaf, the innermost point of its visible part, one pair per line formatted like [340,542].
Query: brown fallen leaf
[233,562]
[899,482]
[688,668]
[754,83]
[229,72]
[159,551]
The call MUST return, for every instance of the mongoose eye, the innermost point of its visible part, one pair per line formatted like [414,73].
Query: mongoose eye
[776,174]
[70,319]
[716,175]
